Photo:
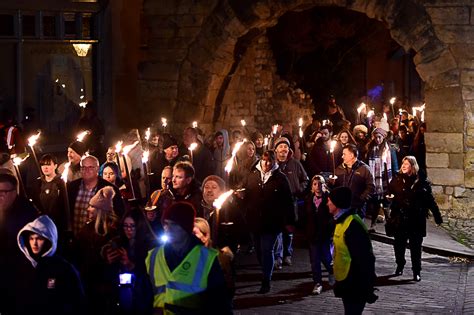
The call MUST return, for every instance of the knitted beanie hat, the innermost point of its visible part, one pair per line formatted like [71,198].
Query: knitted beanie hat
[220,182]
[103,199]
[282,140]
[341,197]
[168,141]
[78,147]
[181,213]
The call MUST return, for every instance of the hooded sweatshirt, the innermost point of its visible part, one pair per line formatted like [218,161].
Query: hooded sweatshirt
[52,285]
[44,227]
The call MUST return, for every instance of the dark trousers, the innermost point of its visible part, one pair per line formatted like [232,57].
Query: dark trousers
[353,307]
[400,245]
[264,245]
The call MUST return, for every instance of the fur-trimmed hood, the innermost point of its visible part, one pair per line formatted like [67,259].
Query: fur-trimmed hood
[44,227]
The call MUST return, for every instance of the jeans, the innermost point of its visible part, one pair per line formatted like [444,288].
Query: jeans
[283,246]
[264,245]
[400,245]
[320,253]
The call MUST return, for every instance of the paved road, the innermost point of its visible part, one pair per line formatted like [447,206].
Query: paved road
[445,288]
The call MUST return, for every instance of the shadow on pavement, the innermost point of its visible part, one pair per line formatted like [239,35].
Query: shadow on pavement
[388,280]
[275,297]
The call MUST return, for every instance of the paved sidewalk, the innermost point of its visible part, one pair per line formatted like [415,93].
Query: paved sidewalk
[437,241]
[446,288]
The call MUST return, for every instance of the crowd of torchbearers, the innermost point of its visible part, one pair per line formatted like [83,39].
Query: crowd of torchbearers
[154,220]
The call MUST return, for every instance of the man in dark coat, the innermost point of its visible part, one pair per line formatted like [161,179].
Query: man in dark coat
[201,157]
[355,175]
[15,212]
[269,207]
[354,261]
[49,284]
[320,160]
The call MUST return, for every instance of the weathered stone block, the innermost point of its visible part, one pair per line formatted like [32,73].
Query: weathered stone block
[469,160]
[449,78]
[448,121]
[449,15]
[437,160]
[441,100]
[470,136]
[437,189]
[443,201]
[449,190]
[469,178]
[443,63]
[444,142]
[459,191]
[446,176]
[452,34]
[467,77]
[468,92]
[456,160]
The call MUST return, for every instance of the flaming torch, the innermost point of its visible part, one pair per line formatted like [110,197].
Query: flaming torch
[300,125]
[164,123]
[195,124]
[218,205]
[243,123]
[125,151]
[191,148]
[64,176]
[80,137]
[392,101]
[118,149]
[17,160]
[331,150]
[361,107]
[31,143]
[230,162]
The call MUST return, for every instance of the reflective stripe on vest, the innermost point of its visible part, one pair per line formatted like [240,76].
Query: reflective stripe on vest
[189,278]
[342,257]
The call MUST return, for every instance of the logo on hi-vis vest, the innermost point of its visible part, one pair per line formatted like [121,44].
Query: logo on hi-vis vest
[186,265]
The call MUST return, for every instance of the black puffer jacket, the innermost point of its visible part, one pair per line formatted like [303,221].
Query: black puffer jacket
[412,200]
[269,205]
[360,181]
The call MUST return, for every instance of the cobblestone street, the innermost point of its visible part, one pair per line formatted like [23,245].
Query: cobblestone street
[445,287]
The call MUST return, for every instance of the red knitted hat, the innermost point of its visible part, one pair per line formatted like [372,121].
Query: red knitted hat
[182,213]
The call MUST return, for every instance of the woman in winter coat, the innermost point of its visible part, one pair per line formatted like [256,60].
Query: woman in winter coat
[319,231]
[411,197]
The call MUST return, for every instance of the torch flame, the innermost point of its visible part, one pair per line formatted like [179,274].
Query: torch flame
[80,137]
[192,146]
[332,146]
[230,162]
[65,171]
[18,160]
[128,148]
[83,104]
[370,113]
[145,156]
[32,140]
[118,147]
[243,122]
[265,141]
[300,122]
[195,124]
[164,122]
[392,100]
[301,133]
[274,129]
[361,108]
[147,134]
[222,198]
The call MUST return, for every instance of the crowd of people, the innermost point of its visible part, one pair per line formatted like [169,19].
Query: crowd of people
[112,233]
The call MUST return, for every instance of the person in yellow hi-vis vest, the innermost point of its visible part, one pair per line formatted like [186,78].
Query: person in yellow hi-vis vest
[185,275]
[354,261]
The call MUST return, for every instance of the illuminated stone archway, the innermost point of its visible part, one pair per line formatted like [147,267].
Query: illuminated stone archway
[194,51]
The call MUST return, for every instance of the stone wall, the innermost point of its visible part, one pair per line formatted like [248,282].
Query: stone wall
[194,71]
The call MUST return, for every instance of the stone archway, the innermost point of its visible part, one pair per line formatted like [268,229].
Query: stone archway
[205,55]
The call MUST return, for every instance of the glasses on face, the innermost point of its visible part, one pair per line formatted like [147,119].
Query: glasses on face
[88,168]
[6,191]
[129,226]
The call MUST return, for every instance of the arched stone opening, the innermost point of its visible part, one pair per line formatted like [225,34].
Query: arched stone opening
[205,58]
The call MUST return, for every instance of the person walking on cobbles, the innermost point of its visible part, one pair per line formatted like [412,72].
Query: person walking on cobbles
[356,175]
[354,260]
[269,205]
[411,196]
[319,231]
[298,180]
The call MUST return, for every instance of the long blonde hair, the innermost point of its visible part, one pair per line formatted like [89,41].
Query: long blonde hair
[205,229]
